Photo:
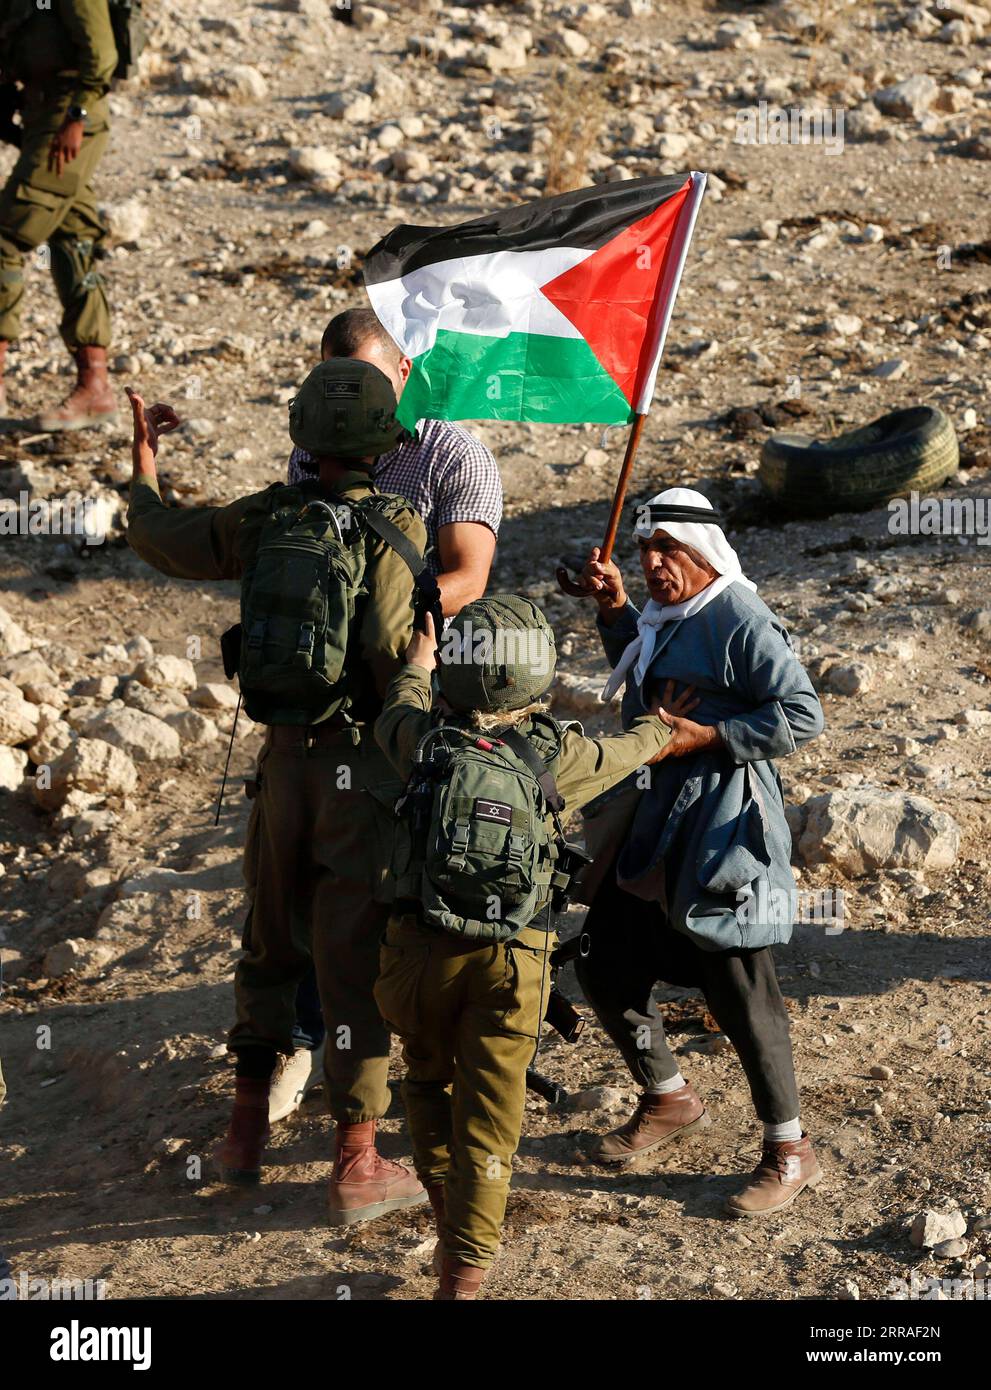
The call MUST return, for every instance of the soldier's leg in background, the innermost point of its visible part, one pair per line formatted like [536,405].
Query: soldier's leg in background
[34,204]
[35,201]
[496,1036]
[31,208]
[742,991]
[75,248]
[618,977]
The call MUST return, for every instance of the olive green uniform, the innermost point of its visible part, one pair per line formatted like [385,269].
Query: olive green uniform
[63,55]
[469,1014]
[318,846]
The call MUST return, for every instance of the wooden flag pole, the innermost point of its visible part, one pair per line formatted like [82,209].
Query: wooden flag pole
[569,585]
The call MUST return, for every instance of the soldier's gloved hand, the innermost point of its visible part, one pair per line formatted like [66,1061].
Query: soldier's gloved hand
[422,648]
[66,144]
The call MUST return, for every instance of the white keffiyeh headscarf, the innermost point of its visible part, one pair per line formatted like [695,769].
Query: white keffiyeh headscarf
[708,540]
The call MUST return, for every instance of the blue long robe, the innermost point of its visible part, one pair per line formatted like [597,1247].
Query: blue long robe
[709,840]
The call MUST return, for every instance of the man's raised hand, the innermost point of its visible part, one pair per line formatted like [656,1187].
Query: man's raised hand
[151,421]
[603,581]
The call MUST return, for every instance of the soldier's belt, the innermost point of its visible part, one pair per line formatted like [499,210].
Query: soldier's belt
[300,737]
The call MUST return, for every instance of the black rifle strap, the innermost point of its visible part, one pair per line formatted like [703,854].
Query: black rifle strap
[526,753]
[426,582]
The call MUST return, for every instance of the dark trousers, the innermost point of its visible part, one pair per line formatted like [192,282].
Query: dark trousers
[632,948]
[310,1026]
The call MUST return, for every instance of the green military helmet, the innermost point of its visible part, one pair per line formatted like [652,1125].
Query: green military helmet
[497,654]
[346,409]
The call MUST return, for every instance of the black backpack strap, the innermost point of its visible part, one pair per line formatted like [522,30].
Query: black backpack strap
[428,590]
[527,754]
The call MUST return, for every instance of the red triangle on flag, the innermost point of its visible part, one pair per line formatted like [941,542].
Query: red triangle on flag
[609,296]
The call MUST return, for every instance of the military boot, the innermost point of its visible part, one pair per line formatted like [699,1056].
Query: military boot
[785,1169]
[458,1282]
[3,388]
[239,1157]
[656,1119]
[92,400]
[365,1185]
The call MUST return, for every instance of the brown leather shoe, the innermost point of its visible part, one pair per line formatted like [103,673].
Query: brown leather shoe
[458,1282]
[784,1170]
[656,1119]
[364,1185]
[91,402]
[239,1156]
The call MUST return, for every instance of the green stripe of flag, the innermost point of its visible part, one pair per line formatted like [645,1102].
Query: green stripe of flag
[522,376]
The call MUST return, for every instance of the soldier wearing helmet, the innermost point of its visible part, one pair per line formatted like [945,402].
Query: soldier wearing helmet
[477,859]
[327,571]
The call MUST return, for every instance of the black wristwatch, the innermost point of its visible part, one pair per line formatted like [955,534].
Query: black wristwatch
[77,113]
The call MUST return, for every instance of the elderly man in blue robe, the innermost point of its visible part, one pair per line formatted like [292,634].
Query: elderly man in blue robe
[698,885]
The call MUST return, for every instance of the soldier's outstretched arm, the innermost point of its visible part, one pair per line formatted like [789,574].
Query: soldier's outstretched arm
[185,542]
[589,766]
[405,716]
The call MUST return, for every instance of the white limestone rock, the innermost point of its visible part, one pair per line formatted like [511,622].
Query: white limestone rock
[863,829]
[142,736]
[19,718]
[174,672]
[90,766]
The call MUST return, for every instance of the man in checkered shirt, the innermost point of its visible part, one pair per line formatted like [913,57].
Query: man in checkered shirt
[449,476]
[453,482]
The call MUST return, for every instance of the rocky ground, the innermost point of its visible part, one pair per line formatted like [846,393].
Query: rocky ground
[262,150]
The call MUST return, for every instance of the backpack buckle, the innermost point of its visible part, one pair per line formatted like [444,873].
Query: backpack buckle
[459,843]
[256,633]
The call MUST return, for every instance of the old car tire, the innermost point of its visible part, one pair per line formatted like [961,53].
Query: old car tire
[909,450]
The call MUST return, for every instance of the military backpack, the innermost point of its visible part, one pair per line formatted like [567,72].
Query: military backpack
[299,598]
[480,848]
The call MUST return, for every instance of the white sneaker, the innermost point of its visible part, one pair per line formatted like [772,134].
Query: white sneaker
[292,1079]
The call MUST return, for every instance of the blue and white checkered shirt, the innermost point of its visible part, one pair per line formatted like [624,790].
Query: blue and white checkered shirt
[446,473]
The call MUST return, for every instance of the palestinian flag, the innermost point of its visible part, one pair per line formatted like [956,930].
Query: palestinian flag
[555,310]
